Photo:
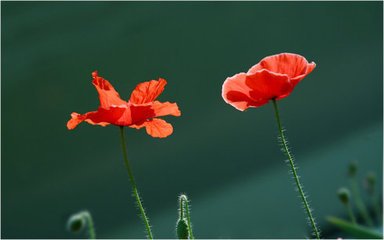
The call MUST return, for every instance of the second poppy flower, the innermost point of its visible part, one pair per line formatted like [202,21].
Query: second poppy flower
[274,77]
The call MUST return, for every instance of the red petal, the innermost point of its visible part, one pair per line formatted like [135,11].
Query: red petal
[156,128]
[107,94]
[291,64]
[140,113]
[236,92]
[267,85]
[309,69]
[123,115]
[166,108]
[77,118]
[147,91]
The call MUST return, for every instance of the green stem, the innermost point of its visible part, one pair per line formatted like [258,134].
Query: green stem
[376,206]
[91,228]
[132,179]
[188,219]
[184,207]
[181,203]
[359,202]
[293,168]
[350,213]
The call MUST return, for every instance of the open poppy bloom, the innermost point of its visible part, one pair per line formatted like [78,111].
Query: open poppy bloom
[274,77]
[141,110]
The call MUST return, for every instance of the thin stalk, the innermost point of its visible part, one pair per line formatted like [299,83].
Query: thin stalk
[359,202]
[376,206]
[350,213]
[188,219]
[372,192]
[91,228]
[293,168]
[132,179]
[181,203]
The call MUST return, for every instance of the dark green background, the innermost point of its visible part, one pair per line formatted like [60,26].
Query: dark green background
[227,161]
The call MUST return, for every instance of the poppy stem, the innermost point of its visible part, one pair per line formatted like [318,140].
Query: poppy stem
[184,202]
[294,172]
[91,228]
[132,179]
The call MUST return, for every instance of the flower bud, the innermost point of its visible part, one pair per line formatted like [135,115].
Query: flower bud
[370,182]
[344,195]
[371,178]
[182,229]
[76,223]
[183,197]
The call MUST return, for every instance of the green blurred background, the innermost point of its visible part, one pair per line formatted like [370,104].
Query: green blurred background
[227,161]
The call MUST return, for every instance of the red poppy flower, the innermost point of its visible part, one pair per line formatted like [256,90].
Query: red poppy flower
[274,77]
[139,111]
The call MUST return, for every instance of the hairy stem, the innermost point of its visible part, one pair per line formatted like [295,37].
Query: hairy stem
[91,228]
[186,204]
[181,203]
[294,172]
[132,179]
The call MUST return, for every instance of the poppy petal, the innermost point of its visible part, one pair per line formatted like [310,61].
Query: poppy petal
[102,117]
[107,94]
[236,92]
[156,127]
[122,115]
[139,114]
[77,118]
[291,64]
[147,91]
[166,108]
[309,69]
[268,85]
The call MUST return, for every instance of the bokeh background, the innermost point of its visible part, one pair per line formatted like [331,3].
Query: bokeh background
[227,161]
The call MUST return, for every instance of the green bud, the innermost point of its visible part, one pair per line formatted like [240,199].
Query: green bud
[352,169]
[182,229]
[76,223]
[183,197]
[371,178]
[370,182]
[344,195]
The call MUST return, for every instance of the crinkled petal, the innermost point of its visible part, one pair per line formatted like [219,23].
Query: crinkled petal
[77,118]
[166,108]
[107,94]
[156,127]
[122,115]
[309,69]
[140,113]
[268,85]
[147,91]
[290,64]
[126,115]
[236,92]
